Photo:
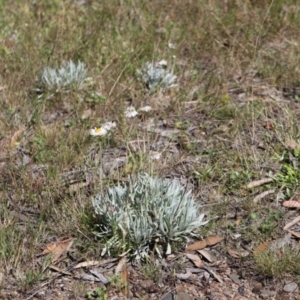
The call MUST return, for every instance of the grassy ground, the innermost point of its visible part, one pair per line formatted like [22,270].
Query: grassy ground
[232,115]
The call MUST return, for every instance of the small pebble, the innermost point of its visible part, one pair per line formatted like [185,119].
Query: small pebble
[291,287]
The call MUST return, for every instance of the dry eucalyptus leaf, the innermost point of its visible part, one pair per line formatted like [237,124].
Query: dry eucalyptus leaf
[295,233]
[195,270]
[233,253]
[291,203]
[87,264]
[50,247]
[88,277]
[197,246]
[290,224]
[51,267]
[213,273]
[195,259]
[184,276]
[257,183]
[263,195]
[99,275]
[108,263]
[210,241]
[207,255]
[237,254]
[235,278]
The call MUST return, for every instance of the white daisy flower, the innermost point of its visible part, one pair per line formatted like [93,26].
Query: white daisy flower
[109,125]
[155,155]
[130,112]
[162,64]
[171,45]
[98,131]
[146,108]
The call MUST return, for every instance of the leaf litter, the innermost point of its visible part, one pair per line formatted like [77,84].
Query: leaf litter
[58,248]
[195,259]
[209,241]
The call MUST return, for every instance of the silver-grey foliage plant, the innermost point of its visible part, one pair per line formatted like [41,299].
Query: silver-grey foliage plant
[156,75]
[69,75]
[144,212]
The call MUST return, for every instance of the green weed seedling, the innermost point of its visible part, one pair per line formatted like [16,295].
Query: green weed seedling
[97,294]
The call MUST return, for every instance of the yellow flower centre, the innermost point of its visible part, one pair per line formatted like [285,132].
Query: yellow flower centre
[98,130]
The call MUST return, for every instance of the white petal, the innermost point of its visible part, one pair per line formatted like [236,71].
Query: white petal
[155,155]
[130,112]
[109,125]
[145,108]
[171,45]
[163,63]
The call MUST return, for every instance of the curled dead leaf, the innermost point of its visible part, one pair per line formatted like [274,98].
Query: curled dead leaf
[261,248]
[238,221]
[195,259]
[170,257]
[57,249]
[49,248]
[269,126]
[16,136]
[210,241]
[237,254]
